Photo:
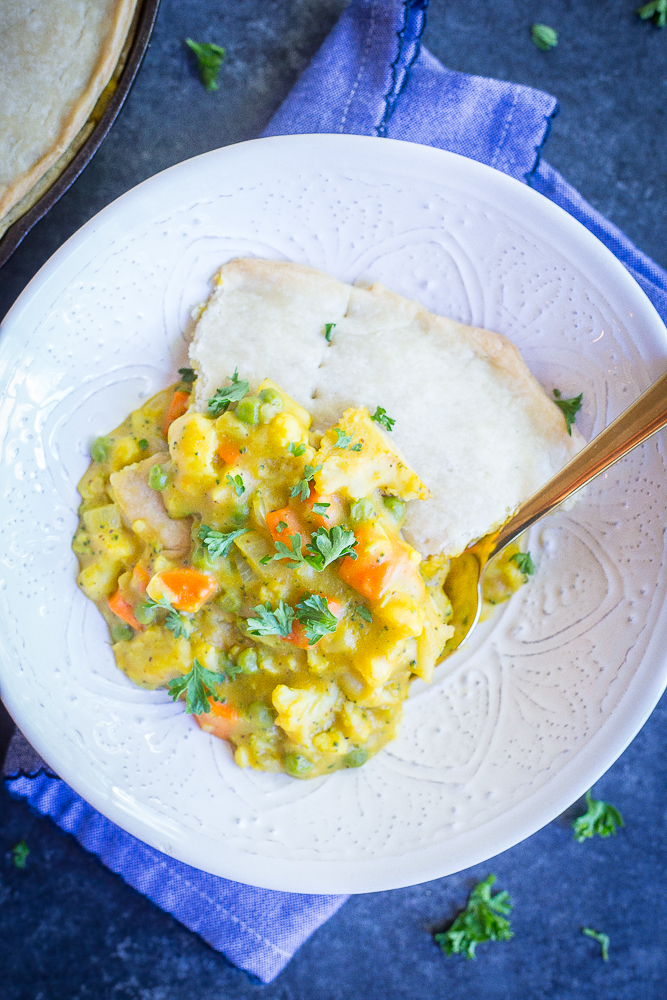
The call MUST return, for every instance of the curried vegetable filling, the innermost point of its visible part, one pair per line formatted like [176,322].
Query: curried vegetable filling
[257,570]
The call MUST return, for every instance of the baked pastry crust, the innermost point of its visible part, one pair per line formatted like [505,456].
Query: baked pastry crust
[56,58]
[471,420]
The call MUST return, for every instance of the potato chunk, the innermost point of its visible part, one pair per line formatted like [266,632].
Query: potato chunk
[153,657]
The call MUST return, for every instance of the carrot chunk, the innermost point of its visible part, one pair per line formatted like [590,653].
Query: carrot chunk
[378,559]
[228,450]
[179,404]
[297,636]
[140,578]
[186,588]
[294,525]
[122,609]
[219,721]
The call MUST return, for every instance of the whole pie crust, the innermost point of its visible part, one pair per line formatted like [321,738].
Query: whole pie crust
[56,59]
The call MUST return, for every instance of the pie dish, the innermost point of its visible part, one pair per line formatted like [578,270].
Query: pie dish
[514,727]
[65,71]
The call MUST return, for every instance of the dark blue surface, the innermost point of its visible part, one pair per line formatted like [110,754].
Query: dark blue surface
[72,929]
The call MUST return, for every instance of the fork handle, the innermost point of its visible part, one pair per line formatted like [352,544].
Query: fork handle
[641,419]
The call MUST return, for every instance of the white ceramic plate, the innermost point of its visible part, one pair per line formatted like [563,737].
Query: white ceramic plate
[514,728]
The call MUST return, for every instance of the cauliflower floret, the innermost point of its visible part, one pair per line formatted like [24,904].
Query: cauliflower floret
[355,723]
[304,712]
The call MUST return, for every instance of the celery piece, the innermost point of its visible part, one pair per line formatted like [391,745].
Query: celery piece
[248,410]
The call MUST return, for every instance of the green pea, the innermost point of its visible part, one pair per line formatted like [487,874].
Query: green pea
[356,757]
[362,510]
[396,508]
[121,633]
[239,515]
[248,409]
[143,444]
[247,660]
[100,449]
[260,714]
[145,613]
[157,478]
[297,765]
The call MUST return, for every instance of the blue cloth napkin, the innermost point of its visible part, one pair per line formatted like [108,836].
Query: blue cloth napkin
[371,77]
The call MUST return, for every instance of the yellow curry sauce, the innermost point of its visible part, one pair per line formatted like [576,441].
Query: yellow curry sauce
[257,570]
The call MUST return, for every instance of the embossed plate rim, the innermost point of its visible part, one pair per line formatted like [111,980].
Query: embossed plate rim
[147,201]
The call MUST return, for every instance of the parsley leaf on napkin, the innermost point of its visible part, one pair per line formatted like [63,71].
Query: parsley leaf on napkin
[600,818]
[20,854]
[210,58]
[484,919]
[544,37]
[602,940]
[657,10]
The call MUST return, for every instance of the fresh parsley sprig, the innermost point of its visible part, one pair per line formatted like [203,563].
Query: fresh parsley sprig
[210,58]
[329,544]
[342,439]
[314,614]
[228,394]
[600,818]
[270,621]
[293,554]
[656,9]
[174,621]
[484,919]
[570,408]
[302,488]
[236,483]
[20,854]
[188,375]
[602,940]
[219,543]
[328,330]
[524,562]
[199,684]
[380,417]
[296,449]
